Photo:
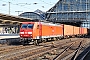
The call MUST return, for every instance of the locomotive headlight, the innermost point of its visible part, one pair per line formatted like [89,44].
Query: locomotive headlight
[21,32]
[29,32]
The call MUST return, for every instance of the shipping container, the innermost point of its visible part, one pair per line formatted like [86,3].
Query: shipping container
[82,31]
[85,31]
[76,30]
[68,30]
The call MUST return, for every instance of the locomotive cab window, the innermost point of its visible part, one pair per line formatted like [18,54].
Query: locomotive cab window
[24,26]
[27,26]
[30,26]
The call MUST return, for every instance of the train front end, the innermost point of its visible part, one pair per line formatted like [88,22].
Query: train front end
[26,33]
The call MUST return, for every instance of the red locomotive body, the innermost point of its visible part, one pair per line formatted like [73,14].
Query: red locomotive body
[39,31]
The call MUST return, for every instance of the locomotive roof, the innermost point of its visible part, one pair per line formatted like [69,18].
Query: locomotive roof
[44,23]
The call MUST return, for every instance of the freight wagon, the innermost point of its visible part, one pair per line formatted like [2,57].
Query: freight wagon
[40,31]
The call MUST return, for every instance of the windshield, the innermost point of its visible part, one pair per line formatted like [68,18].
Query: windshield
[30,26]
[27,26]
[24,26]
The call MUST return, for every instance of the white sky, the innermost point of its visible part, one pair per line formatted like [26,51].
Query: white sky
[25,6]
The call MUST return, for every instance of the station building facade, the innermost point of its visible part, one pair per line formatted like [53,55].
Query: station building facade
[71,10]
[65,11]
[33,15]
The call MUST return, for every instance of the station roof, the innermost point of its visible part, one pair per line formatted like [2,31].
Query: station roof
[11,18]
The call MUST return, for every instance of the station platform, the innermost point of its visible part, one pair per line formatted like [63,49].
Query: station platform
[7,36]
[4,38]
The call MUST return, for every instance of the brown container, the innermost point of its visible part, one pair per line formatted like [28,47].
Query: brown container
[85,31]
[68,30]
[76,30]
[82,30]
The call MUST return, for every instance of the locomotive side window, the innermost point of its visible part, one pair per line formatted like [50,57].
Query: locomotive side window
[24,26]
[30,26]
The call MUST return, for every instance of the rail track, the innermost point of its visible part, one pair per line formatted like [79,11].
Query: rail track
[47,50]
[70,52]
[53,51]
[63,53]
[6,48]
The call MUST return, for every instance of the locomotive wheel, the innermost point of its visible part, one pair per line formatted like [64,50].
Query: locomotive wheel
[44,40]
[36,42]
[23,43]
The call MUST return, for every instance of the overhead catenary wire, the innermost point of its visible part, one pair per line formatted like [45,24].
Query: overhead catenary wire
[22,4]
[16,4]
[46,2]
[26,5]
